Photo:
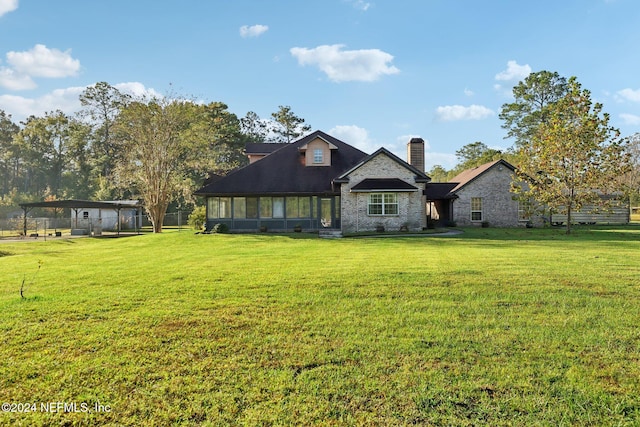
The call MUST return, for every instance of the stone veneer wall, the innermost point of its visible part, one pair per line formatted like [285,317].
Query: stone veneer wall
[498,207]
[411,205]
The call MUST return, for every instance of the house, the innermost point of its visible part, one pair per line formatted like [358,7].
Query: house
[318,182]
[321,183]
[476,196]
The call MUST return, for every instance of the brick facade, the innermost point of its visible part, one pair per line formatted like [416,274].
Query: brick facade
[411,205]
[499,208]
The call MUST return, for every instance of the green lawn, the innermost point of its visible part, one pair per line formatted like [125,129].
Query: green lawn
[492,327]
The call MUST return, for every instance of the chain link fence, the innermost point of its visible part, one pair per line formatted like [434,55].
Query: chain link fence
[63,226]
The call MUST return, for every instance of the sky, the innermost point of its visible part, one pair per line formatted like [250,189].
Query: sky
[373,73]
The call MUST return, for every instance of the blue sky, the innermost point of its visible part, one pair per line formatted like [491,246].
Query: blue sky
[370,72]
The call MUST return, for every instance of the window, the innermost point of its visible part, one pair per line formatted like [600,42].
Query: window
[278,207]
[252,207]
[85,215]
[476,209]
[292,207]
[298,207]
[265,207]
[318,155]
[212,207]
[225,207]
[239,207]
[304,207]
[524,210]
[383,204]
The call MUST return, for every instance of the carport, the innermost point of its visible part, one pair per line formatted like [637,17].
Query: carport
[76,205]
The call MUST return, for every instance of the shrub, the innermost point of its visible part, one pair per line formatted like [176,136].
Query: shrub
[197,218]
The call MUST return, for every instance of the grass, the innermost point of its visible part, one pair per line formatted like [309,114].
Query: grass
[492,327]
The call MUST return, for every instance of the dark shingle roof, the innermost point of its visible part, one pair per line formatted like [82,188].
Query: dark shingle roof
[284,171]
[263,147]
[380,184]
[440,190]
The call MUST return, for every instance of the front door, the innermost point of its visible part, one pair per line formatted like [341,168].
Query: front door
[326,212]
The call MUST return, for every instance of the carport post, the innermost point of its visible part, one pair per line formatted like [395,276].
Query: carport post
[24,224]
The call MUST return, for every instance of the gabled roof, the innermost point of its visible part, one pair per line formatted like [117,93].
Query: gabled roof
[470,175]
[420,176]
[284,172]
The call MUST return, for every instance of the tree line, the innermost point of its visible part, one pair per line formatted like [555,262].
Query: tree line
[119,146]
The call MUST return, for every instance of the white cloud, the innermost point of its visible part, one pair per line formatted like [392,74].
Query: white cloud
[137,90]
[514,72]
[354,135]
[446,160]
[468,92]
[365,65]
[629,94]
[66,100]
[21,107]
[630,119]
[7,6]
[253,31]
[41,61]
[15,81]
[450,113]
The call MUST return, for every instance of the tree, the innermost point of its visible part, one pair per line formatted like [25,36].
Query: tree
[438,174]
[572,157]
[287,125]
[224,137]
[8,153]
[158,150]
[45,144]
[523,116]
[632,178]
[475,154]
[254,127]
[102,104]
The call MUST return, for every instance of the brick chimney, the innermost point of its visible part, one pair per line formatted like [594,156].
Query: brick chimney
[415,153]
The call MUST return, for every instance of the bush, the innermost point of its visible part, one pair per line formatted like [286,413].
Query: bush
[197,218]
[220,228]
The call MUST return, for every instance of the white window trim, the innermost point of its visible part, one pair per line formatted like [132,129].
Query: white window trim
[318,155]
[384,205]
[475,210]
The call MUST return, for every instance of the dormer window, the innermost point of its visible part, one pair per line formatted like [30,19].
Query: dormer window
[317,152]
[318,155]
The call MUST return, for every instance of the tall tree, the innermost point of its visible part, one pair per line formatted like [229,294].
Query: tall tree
[254,127]
[45,143]
[287,125]
[225,138]
[475,154]
[159,150]
[572,156]
[522,117]
[8,153]
[101,105]
[632,178]
[438,174]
